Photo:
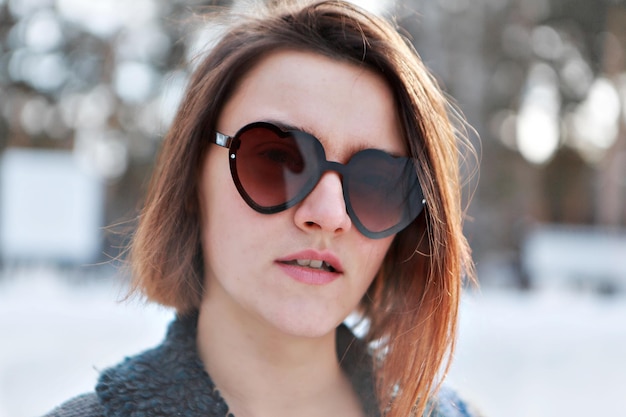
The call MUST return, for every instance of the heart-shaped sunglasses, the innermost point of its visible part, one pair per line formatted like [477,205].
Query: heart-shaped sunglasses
[275,169]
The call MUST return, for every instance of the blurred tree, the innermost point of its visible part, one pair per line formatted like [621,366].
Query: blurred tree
[529,74]
[100,79]
[611,195]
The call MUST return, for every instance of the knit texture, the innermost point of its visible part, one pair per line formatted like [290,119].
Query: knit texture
[170,380]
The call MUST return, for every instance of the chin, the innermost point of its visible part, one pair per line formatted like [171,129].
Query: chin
[301,327]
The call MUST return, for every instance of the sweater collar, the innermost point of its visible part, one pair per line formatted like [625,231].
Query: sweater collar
[170,380]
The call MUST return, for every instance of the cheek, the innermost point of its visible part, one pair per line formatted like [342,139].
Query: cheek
[372,255]
[379,249]
[219,200]
[228,224]
[217,208]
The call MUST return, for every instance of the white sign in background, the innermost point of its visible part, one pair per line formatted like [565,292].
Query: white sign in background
[51,208]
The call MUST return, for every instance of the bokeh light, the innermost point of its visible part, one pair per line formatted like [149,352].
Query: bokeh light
[538,129]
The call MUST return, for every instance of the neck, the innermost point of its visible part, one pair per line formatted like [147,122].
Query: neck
[261,371]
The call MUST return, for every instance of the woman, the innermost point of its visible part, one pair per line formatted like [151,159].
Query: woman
[311,172]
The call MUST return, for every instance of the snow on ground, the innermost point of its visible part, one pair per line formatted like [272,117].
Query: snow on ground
[57,333]
[519,355]
[542,354]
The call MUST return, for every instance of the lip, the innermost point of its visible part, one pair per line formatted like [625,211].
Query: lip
[307,275]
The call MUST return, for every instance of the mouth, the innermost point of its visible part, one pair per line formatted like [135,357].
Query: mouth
[312,264]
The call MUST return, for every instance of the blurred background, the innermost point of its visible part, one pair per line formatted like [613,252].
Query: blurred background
[88,88]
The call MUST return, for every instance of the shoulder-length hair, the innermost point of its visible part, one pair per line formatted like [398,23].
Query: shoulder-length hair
[412,304]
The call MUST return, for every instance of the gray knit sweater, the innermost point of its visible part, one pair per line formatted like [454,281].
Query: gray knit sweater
[170,380]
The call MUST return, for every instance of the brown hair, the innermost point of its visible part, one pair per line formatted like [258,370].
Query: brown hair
[412,304]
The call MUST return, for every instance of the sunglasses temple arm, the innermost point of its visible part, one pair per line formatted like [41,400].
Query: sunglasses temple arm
[222,140]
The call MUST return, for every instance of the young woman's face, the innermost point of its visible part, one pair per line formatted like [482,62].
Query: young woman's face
[256,263]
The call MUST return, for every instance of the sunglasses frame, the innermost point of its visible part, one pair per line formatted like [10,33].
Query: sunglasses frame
[416,201]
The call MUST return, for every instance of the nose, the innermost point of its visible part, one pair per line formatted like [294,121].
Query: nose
[324,209]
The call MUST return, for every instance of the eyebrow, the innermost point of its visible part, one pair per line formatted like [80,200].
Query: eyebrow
[286,126]
[351,150]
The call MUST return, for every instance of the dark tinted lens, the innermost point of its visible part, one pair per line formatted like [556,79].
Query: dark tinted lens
[379,188]
[271,166]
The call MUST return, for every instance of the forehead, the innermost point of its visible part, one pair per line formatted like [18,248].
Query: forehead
[346,106]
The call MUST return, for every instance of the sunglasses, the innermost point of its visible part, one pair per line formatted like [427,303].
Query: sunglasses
[275,169]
